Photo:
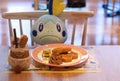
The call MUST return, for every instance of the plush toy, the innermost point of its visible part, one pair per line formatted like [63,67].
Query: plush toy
[49,28]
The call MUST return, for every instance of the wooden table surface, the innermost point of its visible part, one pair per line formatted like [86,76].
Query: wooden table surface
[108,57]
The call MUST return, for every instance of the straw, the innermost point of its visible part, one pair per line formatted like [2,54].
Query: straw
[15,38]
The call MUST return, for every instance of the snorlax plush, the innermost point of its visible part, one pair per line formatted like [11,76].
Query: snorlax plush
[49,28]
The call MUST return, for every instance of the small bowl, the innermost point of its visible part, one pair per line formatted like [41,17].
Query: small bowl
[23,63]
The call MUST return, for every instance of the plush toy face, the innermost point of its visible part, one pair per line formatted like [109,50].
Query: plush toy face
[49,29]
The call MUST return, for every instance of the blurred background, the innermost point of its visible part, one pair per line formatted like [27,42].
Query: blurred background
[103,28]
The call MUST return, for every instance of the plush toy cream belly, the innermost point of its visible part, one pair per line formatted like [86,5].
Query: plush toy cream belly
[49,29]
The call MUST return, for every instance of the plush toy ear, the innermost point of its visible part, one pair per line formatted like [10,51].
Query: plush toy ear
[56,7]
[50,7]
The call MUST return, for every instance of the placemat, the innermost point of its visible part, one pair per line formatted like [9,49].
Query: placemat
[92,65]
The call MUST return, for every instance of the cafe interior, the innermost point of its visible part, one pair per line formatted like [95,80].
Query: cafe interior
[59,40]
[103,27]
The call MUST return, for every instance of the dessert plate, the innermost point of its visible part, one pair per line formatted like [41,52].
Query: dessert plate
[82,55]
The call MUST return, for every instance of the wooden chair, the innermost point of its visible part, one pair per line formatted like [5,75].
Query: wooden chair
[111,8]
[73,16]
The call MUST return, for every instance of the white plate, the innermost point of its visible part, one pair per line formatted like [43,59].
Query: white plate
[82,55]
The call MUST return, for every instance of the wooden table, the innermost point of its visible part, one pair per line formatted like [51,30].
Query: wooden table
[108,57]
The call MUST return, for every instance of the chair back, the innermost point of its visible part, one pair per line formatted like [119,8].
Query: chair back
[23,21]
